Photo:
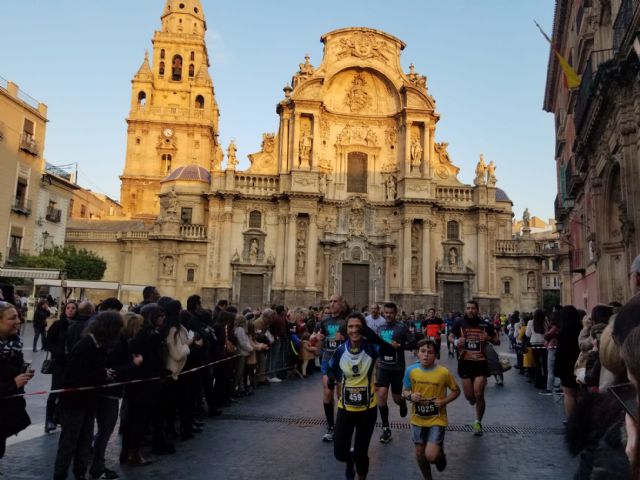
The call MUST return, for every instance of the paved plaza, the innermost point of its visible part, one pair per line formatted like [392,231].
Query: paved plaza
[276,433]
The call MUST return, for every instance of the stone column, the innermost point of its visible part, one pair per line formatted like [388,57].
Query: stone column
[426,152]
[280,251]
[482,258]
[405,255]
[312,252]
[226,249]
[432,149]
[427,287]
[295,133]
[290,258]
[327,268]
[284,141]
[387,276]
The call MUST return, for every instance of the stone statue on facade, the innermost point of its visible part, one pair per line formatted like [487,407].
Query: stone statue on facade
[491,174]
[232,160]
[481,171]
[172,205]
[322,184]
[416,153]
[526,218]
[305,148]
[253,252]
[167,266]
[391,187]
[453,257]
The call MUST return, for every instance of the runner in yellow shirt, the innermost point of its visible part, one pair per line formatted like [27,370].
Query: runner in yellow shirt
[425,384]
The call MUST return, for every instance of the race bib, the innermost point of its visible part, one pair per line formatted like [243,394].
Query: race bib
[389,358]
[332,344]
[472,345]
[427,409]
[356,396]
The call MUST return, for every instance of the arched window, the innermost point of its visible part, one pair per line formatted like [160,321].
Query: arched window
[166,163]
[162,53]
[255,219]
[161,69]
[192,70]
[193,56]
[357,172]
[176,68]
[142,99]
[453,230]
[507,287]
[191,274]
[199,101]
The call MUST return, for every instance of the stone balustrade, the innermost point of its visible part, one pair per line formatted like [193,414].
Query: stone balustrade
[90,236]
[257,184]
[518,247]
[455,194]
[193,232]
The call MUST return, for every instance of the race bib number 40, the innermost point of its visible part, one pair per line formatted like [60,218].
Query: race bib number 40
[356,396]
[427,409]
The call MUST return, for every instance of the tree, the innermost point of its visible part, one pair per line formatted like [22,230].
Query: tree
[78,264]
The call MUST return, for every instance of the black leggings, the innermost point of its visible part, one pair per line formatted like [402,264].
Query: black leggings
[364,424]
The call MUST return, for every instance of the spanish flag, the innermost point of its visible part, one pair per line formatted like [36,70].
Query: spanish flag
[572,79]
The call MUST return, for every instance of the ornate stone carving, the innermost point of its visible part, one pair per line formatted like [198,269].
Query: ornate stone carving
[357,134]
[232,160]
[491,174]
[304,147]
[417,79]
[391,187]
[481,170]
[391,136]
[362,45]
[444,168]
[264,162]
[253,252]
[415,237]
[357,98]
[306,71]
[416,153]
[268,142]
[302,226]
[168,266]
[356,217]
[304,181]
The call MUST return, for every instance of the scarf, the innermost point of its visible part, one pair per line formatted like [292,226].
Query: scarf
[11,348]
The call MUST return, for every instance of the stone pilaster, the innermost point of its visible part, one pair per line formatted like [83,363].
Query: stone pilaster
[312,252]
[427,286]
[290,260]
[405,255]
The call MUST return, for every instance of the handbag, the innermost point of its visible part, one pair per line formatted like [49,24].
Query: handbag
[229,347]
[47,367]
[505,364]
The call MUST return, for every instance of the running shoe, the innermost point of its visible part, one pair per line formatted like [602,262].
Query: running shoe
[350,472]
[477,428]
[328,437]
[107,474]
[275,380]
[386,435]
[545,392]
[403,408]
[441,463]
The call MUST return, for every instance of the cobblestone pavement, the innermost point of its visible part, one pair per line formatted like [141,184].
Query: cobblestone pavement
[276,433]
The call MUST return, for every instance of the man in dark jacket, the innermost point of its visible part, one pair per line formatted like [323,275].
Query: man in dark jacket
[149,295]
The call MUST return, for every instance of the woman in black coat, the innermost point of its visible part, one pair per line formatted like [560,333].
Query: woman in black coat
[13,413]
[56,345]
[40,324]
[567,354]
[86,367]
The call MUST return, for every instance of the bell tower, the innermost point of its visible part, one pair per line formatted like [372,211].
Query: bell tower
[173,118]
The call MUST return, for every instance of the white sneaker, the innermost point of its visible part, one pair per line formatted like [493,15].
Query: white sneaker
[274,380]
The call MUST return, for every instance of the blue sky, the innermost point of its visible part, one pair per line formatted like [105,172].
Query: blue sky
[485,63]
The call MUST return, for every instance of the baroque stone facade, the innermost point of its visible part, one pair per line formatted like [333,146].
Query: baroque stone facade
[351,195]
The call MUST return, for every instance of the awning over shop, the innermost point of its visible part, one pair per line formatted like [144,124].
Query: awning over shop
[33,273]
[78,284]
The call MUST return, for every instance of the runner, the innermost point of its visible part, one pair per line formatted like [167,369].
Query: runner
[331,332]
[473,334]
[433,328]
[391,367]
[374,319]
[448,325]
[353,365]
[425,384]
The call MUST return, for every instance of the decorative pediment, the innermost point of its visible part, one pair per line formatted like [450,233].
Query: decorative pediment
[264,161]
[357,134]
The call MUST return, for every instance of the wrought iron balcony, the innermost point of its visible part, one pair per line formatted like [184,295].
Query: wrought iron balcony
[53,215]
[623,21]
[588,83]
[21,206]
[29,144]
[577,261]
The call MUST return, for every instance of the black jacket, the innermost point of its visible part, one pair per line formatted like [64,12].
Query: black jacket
[86,366]
[13,413]
[56,342]
[149,344]
[76,330]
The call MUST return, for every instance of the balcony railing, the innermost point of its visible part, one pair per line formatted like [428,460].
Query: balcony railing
[257,184]
[193,232]
[517,247]
[54,215]
[29,144]
[21,206]
[455,194]
[589,82]
[623,21]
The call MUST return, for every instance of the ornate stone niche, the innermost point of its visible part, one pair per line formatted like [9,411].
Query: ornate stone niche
[253,247]
[167,266]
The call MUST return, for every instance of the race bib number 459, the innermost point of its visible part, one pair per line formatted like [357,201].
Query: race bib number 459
[356,396]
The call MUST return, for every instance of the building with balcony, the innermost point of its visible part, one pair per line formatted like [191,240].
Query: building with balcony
[23,123]
[597,144]
[57,188]
[352,195]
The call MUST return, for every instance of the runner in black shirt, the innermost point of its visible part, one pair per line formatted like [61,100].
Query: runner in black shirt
[433,327]
[473,334]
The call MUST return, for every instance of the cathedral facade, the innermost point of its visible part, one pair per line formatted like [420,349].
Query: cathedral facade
[352,195]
